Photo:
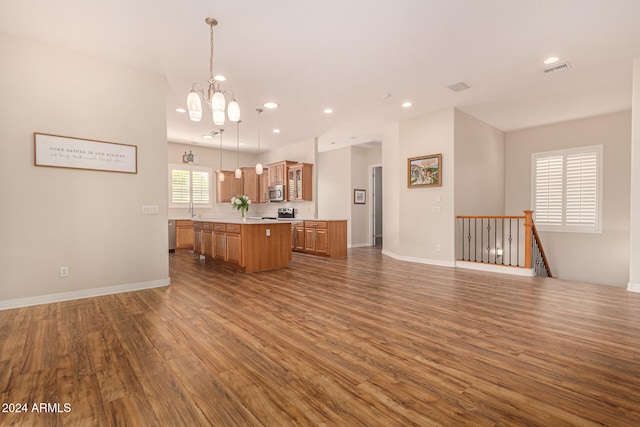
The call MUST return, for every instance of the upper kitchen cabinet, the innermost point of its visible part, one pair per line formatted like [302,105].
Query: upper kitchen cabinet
[256,186]
[228,188]
[299,181]
[278,172]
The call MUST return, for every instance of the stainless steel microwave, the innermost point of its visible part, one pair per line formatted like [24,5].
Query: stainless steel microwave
[276,193]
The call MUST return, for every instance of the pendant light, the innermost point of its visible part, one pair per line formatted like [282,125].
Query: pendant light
[214,96]
[238,170]
[259,168]
[221,174]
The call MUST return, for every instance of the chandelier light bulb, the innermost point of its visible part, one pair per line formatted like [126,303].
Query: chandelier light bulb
[218,118]
[233,111]
[194,105]
[217,101]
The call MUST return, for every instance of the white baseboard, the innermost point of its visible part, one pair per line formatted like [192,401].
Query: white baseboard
[493,268]
[633,287]
[360,245]
[85,293]
[437,262]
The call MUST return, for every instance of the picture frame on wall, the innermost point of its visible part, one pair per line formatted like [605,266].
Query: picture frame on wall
[359,197]
[424,171]
[78,153]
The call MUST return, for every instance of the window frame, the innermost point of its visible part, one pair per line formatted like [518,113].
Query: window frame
[191,169]
[563,226]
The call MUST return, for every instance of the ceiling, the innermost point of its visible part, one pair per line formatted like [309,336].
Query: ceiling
[362,58]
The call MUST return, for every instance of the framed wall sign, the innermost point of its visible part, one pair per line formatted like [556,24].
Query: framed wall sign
[424,171]
[360,197]
[77,153]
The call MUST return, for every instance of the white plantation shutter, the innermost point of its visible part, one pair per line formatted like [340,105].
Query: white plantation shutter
[189,184]
[200,181]
[180,186]
[548,190]
[567,190]
[582,189]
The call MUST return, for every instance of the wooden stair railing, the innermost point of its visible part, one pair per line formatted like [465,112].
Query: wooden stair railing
[499,238]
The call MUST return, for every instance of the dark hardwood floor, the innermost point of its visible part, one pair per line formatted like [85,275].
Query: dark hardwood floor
[361,341]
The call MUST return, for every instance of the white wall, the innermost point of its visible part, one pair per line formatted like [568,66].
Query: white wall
[588,257]
[409,210]
[89,221]
[634,270]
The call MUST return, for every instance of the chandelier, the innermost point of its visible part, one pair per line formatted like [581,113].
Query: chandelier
[215,97]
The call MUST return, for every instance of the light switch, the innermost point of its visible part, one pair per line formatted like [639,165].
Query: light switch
[435,209]
[268,232]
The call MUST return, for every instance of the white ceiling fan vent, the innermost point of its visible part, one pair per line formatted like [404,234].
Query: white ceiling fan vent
[557,67]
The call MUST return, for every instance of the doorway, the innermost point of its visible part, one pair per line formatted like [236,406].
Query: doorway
[376,206]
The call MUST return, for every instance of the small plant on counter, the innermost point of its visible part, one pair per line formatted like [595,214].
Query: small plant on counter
[241,203]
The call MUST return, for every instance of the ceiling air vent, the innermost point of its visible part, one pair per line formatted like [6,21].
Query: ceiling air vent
[460,86]
[557,67]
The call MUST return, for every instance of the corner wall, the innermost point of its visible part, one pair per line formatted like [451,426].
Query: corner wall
[89,221]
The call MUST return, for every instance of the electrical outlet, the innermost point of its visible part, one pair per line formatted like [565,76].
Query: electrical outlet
[64,271]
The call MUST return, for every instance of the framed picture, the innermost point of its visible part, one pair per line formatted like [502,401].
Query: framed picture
[424,171]
[77,153]
[359,197]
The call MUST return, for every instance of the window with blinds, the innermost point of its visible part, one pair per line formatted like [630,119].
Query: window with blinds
[567,190]
[189,184]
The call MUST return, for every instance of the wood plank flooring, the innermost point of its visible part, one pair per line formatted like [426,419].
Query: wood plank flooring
[360,341]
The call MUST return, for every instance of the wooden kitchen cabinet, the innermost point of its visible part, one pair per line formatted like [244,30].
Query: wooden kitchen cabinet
[184,235]
[278,172]
[300,182]
[251,184]
[263,186]
[250,246]
[227,243]
[297,236]
[228,188]
[325,238]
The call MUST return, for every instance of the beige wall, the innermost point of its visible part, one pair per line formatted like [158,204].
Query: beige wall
[479,159]
[409,211]
[334,181]
[589,257]
[89,221]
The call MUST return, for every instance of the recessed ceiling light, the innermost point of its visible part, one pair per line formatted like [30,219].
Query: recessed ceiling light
[207,136]
[551,60]
[406,104]
[328,111]
[270,105]
[181,110]
[276,131]
[242,143]
[220,78]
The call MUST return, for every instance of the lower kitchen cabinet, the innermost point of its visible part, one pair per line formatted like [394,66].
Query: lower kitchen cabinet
[297,236]
[184,234]
[325,238]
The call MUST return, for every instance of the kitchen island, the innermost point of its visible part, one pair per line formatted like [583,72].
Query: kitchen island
[251,245]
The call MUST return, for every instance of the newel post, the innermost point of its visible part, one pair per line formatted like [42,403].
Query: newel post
[528,232]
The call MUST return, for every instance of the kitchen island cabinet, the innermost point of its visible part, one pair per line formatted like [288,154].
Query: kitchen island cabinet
[252,245]
[320,237]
